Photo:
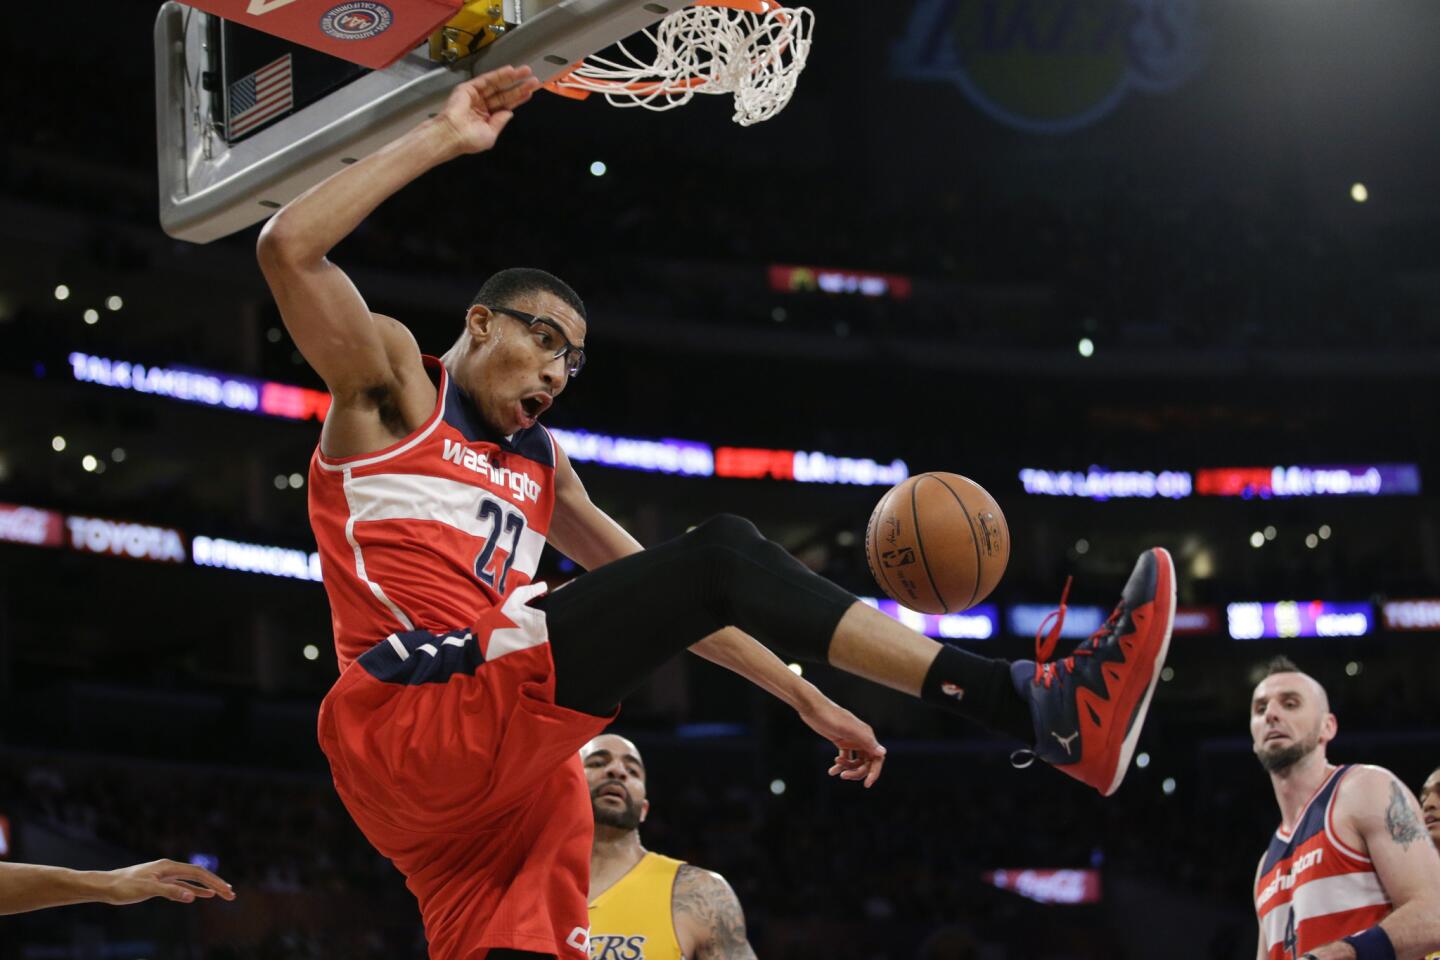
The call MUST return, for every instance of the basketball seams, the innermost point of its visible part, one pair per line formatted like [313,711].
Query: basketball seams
[974,539]
[920,540]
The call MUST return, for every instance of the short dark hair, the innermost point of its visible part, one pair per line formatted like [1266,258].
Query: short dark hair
[505,287]
[1281,664]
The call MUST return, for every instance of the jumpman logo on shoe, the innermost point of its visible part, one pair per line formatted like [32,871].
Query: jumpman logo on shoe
[951,690]
[1089,706]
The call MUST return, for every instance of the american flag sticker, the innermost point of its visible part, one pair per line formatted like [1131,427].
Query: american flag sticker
[261,97]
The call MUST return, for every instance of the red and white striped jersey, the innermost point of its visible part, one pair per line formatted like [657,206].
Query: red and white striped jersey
[1313,887]
[430,531]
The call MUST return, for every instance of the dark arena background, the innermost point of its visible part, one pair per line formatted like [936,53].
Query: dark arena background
[1171,282]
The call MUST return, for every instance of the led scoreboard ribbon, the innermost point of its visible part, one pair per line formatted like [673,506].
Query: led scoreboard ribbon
[38,527]
[686,458]
[209,389]
[1290,618]
[1352,480]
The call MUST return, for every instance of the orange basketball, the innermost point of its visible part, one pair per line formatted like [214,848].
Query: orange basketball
[937,543]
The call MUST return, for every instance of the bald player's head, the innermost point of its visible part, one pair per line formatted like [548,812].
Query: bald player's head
[1290,717]
[616,777]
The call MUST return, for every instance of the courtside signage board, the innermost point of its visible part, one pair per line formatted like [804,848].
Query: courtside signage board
[684,458]
[980,622]
[30,525]
[1101,483]
[805,466]
[1293,618]
[1049,886]
[1196,621]
[144,541]
[204,387]
[367,32]
[687,458]
[116,538]
[1353,480]
[1098,483]
[255,558]
[788,279]
[1406,615]
[1026,619]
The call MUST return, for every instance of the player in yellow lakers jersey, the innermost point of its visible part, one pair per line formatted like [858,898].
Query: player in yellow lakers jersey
[644,906]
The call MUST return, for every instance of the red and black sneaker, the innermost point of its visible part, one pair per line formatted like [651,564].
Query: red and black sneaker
[1089,707]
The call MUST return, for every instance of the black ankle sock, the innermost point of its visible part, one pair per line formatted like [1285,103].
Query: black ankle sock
[979,689]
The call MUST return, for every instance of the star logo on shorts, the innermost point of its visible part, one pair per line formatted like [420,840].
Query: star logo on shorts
[951,690]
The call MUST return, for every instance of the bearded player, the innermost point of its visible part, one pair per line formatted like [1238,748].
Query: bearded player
[465,692]
[1350,873]
[644,906]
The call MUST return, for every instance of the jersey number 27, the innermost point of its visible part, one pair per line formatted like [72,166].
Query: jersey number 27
[503,525]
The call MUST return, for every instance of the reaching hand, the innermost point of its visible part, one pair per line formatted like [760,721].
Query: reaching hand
[181,882]
[480,108]
[860,755]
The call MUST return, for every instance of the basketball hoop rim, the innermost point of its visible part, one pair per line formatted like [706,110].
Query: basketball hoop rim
[565,84]
[757,7]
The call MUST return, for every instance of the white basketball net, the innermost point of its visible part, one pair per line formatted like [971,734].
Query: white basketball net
[757,57]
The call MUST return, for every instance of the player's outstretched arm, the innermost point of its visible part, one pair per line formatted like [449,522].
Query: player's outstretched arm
[588,535]
[1387,817]
[708,917]
[366,360]
[25,887]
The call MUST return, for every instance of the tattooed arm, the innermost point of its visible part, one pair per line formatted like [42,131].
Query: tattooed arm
[708,917]
[1375,808]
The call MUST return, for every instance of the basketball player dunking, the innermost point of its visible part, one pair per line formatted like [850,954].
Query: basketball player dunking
[1349,873]
[465,692]
[644,906]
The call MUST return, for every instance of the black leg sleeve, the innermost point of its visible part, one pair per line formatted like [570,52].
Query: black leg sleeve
[614,626]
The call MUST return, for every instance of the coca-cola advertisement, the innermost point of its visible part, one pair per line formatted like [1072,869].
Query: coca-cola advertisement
[39,528]
[1049,886]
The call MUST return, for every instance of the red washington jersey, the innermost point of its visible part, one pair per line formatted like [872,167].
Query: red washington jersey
[1314,888]
[434,529]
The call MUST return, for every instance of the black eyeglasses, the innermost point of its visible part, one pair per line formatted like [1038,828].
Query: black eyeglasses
[548,329]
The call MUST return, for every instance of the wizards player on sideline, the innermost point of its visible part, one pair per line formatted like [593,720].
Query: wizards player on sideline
[1350,871]
[465,692]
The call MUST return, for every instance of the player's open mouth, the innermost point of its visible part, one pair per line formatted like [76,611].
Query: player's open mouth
[1276,736]
[612,791]
[535,404]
